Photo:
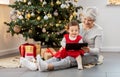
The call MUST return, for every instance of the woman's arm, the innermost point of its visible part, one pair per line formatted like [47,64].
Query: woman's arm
[97,46]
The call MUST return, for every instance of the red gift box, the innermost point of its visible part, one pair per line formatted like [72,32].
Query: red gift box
[27,50]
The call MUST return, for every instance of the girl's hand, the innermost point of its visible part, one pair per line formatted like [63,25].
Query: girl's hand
[86,49]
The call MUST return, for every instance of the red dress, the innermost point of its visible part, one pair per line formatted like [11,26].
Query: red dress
[64,53]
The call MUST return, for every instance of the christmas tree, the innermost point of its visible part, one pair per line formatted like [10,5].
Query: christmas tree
[42,20]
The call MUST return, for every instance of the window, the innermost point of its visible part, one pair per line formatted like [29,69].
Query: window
[4,2]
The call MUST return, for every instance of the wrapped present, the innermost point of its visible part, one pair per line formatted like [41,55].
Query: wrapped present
[47,53]
[27,50]
[38,48]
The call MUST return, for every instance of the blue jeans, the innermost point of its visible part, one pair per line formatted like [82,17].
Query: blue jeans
[71,62]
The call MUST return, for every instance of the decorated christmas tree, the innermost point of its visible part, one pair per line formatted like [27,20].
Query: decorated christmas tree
[42,20]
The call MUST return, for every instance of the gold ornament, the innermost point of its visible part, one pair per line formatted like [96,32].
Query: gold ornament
[74,13]
[28,15]
[18,12]
[71,17]
[52,4]
[57,25]
[75,0]
[38,18]
[49,15]
[58,2]
[66,27]
[25,1]
[16,29]
[30,31]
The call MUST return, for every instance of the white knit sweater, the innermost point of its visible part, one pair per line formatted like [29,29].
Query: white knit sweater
[93,37]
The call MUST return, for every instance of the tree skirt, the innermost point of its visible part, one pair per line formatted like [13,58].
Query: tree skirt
[10,62]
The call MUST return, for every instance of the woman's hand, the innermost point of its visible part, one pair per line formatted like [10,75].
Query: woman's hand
[86,49]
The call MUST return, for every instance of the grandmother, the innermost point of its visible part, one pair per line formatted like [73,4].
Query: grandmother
[93,35]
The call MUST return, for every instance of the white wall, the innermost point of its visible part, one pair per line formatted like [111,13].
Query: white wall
[109,19]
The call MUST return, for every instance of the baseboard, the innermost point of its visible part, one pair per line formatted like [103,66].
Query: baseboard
[110,49]
[8,51]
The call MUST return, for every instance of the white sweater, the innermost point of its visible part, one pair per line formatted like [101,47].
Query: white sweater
[93,37]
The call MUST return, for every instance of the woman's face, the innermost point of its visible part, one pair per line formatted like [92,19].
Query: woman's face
[73,31]
[88,21]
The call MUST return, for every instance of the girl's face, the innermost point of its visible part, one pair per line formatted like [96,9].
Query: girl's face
[73,31]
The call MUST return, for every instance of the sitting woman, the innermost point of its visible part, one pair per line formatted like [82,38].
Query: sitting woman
[92,34]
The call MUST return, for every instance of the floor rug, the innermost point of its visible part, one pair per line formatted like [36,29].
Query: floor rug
[10,62]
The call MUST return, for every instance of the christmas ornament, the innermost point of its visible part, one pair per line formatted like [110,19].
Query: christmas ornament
[74,13]
[29,3]
[63,6]
[55,13]
[67,6]
[16,29]
[20,17]
[58,2]
[28,15]
[49,15]
[13,12]
[41,0]
[38,18]
[43,30]
[71,17]
[30,31]
[75,0]
[45,17]
[18,12]
[52,4]
[24,1]
[57,25]
[44,3]
[32,14]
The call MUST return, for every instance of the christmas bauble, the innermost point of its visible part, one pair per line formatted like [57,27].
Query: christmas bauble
[45,17]
[76,0]
[28,15]
[55,13]
[16,29]
[38,18]
[30,31]
[58,2]
[49,15]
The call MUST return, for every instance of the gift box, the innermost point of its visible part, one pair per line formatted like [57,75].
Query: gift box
[38,48]
[28,50]
[47,53]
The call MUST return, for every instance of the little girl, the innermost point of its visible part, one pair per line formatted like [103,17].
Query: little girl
[72,37]
[62,59]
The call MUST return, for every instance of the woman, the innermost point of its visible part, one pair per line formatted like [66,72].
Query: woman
[92,34]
